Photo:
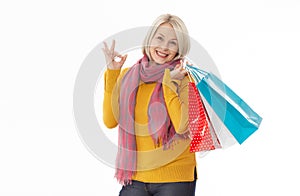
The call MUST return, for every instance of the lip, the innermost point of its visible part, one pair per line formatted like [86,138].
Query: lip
[161,54]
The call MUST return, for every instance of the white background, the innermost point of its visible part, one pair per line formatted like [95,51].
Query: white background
[255,45]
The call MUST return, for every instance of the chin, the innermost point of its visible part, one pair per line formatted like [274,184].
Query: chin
[159,62]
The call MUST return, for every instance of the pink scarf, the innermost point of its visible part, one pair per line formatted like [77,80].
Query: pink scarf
[159,123]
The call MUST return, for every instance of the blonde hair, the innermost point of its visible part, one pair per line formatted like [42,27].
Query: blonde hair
[180,31]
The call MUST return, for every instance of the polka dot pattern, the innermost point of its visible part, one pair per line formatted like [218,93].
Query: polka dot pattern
[198,122]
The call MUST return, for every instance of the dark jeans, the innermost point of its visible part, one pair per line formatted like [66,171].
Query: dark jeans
[159,189]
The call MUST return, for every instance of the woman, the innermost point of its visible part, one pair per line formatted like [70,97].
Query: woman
[149,103]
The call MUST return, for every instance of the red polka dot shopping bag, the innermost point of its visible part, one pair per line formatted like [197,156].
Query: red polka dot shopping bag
[203,136]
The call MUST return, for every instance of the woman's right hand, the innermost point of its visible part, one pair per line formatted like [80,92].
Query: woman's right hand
[110,56]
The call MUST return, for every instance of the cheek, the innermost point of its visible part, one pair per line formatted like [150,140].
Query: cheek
[154,43]
[173,53]
[152,50]
[173,50]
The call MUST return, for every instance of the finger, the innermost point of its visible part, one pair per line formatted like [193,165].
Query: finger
[112,48]
[123,59]
[105,45]
[180,67]
[116,54]
[118,58]
[189,63]
[184,72]
[119,55]
[106,50]
[177,66]
[105,53]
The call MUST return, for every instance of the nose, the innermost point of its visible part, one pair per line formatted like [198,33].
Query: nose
[164,45]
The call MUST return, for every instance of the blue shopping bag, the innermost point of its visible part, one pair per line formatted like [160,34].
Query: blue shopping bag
[236,114]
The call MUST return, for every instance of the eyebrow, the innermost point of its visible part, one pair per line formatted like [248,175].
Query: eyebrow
[161,34]
[164,36]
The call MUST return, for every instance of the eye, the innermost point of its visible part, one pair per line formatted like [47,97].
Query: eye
[160,38]
[173,43]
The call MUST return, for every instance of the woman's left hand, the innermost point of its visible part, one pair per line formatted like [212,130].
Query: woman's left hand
[178,73]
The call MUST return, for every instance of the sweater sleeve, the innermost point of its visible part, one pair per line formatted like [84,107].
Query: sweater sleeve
[110,101]
[176,98]
[112,79]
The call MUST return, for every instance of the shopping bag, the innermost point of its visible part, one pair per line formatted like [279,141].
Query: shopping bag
[238,117]
[224,136]
[203,137]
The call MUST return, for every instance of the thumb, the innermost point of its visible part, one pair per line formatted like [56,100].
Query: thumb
[123,59]
[177,66]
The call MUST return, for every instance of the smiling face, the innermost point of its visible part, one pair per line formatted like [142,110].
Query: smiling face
[164,45]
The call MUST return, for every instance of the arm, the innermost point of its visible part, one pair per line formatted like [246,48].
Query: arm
[111,85]
[110,103]
[176,98]
[112,79]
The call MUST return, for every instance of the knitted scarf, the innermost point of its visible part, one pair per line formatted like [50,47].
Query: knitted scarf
[159,123]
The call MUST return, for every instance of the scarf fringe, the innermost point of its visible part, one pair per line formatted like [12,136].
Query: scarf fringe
[124,177]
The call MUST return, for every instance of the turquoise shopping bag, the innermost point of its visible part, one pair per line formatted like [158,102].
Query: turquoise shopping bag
[236,114]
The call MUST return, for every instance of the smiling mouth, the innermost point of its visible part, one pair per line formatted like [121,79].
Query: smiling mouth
[161,54]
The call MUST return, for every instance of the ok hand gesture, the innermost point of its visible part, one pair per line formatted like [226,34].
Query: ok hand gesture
[110,56]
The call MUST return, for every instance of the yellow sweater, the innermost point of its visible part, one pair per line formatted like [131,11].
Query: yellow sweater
[154,164]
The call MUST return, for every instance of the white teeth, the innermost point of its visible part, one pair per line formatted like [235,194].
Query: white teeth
[161,54]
